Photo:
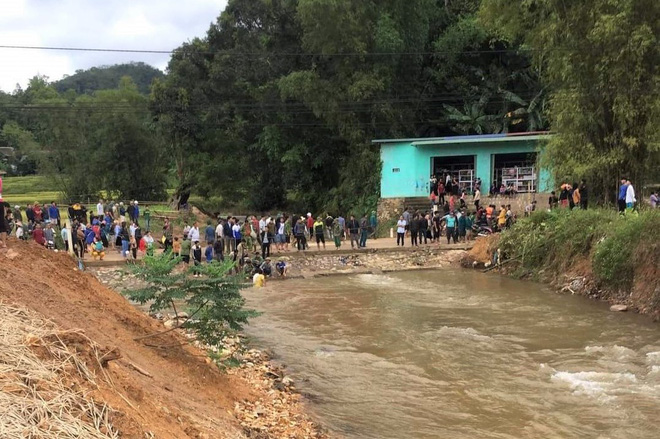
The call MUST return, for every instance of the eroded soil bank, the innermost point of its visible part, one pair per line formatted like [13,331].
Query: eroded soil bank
[161,386]
[596,254]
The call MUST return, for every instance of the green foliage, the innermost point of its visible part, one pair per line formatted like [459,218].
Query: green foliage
[91,144]
[108,77]
[614,245]
[599,61]
[553,240]
[290,93]
[213,301]
[617,256]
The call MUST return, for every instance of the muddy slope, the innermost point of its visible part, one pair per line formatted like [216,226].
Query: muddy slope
[172,393]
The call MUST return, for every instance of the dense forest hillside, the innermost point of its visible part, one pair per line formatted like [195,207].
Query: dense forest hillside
[107,77]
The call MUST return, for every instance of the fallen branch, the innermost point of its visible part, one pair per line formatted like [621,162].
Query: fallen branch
[135,367]
[156,334]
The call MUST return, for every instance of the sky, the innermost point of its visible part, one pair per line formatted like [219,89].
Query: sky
[111,24]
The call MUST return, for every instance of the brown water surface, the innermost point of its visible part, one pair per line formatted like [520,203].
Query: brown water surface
[461,354]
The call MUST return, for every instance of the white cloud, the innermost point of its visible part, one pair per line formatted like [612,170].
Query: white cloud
[111,24]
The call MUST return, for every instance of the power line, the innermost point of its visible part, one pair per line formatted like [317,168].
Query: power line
[275,54]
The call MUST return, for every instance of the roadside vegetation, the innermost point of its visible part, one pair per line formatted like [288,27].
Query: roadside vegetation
[617,257]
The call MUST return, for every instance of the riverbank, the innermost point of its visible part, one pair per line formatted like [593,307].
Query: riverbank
[595,253]
[135,377]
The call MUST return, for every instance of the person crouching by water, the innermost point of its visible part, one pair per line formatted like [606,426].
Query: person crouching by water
[282,267]
[258,280]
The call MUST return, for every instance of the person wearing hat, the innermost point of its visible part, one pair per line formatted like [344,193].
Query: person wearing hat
[266,267]
[18,216]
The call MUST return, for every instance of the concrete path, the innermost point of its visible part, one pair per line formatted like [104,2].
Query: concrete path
[384,245]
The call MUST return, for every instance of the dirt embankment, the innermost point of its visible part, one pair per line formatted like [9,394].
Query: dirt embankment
[579,277]
[154,387]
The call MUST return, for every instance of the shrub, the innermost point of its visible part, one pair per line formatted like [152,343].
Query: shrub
[213,301]
[617,256]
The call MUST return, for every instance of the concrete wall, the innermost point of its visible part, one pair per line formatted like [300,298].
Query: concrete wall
[406,167]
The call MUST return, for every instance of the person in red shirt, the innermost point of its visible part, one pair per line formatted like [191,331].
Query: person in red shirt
[310,222]
[38,235]
[38,214]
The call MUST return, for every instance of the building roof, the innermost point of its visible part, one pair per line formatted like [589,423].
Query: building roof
[503,137]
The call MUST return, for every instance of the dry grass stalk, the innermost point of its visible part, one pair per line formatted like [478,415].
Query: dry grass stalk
[40,392]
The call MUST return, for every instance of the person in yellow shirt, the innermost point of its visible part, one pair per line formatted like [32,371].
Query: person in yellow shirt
[501,218]
[258,280]
[319,232]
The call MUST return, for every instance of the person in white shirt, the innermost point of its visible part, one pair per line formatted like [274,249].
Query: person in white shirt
[219,231]
[401,231]
[477,198]
[20,233]
[99,208]
[236,231]
[193,233]
[630,196]
[132,228]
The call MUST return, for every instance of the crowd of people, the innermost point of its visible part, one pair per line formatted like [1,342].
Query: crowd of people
[109,225]
[250,241]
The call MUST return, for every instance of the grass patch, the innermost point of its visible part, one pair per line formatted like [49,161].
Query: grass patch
[614,245]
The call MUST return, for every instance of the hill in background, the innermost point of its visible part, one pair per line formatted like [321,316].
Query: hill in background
[107,77]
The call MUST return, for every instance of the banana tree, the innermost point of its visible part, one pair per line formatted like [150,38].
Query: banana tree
[473,119]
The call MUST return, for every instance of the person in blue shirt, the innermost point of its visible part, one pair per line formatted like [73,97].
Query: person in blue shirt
[209,233]
[621,201]
[450,221]
[208,253]
[54,214]
[90,236]
[462,226]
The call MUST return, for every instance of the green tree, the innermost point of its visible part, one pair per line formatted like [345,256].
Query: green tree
[599,60]
[109,77]
[213,301]
[277,105]
[89,144]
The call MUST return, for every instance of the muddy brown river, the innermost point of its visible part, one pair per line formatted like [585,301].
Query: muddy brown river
[461,354]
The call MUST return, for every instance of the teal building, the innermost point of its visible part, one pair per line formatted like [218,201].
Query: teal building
[510,159]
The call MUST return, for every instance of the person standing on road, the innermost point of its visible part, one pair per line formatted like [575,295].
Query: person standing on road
[342,225]
[336,233]
[414,230]
[353,227]
[373,224]
[319,233]
[299,234]
[364,231]
[406,218]
[401,232]
[450,221]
